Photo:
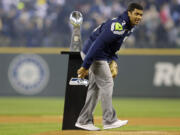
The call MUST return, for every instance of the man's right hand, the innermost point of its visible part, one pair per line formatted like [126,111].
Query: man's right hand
[82,72]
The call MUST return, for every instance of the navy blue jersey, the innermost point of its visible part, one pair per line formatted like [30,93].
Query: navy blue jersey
[106,40]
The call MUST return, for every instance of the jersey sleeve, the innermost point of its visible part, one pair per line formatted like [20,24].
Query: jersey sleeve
[111,32]
[114,57]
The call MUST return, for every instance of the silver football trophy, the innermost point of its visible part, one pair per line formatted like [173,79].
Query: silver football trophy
[76,20]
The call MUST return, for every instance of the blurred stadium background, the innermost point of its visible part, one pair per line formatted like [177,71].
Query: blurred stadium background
[45,23]
[33,73]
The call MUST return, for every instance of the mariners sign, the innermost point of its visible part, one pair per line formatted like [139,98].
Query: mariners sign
[28,74]
[166,74]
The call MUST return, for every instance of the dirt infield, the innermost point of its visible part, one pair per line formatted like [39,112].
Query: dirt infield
[53,119]
[132,122]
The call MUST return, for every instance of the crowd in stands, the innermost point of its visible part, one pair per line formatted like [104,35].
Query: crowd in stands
[45,23]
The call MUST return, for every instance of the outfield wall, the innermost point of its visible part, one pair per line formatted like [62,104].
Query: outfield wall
[28,74]
[142,72]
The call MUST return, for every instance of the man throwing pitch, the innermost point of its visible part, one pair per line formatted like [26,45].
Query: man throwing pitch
[99,61]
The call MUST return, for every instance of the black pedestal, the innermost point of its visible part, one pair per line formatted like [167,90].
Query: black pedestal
[75,95]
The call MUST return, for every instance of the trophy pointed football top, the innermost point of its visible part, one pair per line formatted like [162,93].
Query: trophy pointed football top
[76,18]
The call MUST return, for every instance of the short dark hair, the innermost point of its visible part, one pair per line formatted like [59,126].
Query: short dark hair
[133,6]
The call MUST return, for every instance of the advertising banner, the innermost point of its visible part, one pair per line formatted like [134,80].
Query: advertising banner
[148,76]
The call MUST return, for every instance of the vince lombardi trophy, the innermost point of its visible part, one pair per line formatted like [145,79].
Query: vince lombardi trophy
[76,20]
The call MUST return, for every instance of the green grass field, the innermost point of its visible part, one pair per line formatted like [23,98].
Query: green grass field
[125,107]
